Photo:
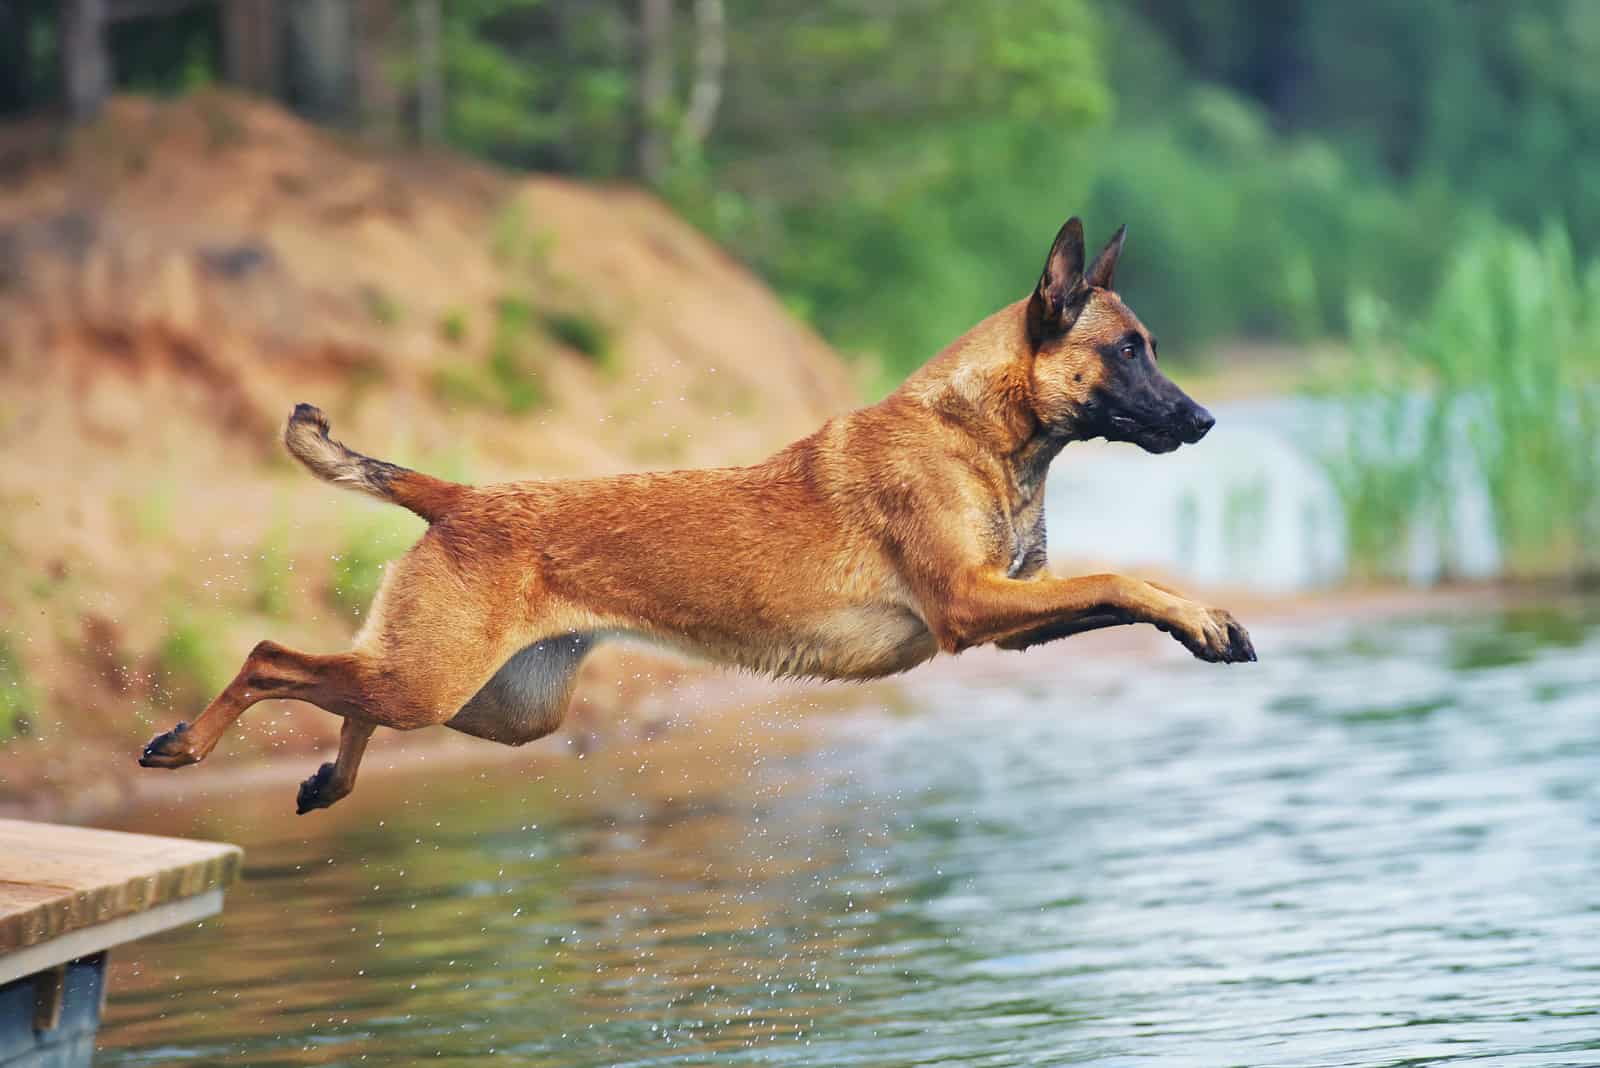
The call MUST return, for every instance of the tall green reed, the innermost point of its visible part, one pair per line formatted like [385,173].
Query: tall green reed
[1495,385]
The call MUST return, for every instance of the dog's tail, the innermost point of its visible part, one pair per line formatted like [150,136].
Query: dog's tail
[308,441]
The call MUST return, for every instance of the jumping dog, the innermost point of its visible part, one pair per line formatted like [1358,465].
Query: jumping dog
[908,528]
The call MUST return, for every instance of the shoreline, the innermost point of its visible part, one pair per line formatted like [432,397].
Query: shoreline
[683,695]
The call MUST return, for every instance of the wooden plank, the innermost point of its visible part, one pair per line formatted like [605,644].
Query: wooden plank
[87,941]
[56,879]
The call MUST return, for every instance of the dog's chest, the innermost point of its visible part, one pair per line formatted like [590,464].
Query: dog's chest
[1025,527]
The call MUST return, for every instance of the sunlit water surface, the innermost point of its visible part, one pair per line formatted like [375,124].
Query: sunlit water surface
[1378,846]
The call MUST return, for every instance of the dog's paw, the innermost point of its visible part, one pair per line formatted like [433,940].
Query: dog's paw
[1213,635]
[317,792]
[172,749]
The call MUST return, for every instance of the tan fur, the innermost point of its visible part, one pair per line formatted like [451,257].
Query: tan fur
[891,534]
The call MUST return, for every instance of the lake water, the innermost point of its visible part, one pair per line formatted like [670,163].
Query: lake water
[1253,506]
[1378,846]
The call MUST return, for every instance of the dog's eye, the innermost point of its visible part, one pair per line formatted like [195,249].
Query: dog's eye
[1128,351]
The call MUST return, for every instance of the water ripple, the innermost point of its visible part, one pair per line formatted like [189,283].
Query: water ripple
[1377,849]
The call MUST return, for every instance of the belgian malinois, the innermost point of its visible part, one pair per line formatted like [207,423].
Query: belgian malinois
[895,532]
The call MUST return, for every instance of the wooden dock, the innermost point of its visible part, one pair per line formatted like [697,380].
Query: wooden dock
[67,896]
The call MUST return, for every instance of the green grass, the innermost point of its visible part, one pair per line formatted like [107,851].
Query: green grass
[508,379]
[517,390]
[382,307]
[510,234]
[370,543]
[453,326]
[272,566]
[514,242]
[17,698]
[511,368]
[187,666]
[464,385]
[1497,380]
[584,334]
[148,513]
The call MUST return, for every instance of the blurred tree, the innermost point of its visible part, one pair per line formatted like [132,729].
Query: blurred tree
[430,71]
[1270,155]
[377,27]
[85,65]
[711,57]
[655,88]
[252,46]
[321,59]
[546,84]
[14,58]
[870,154]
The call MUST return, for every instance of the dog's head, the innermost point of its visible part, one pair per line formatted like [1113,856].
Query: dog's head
[1094,369]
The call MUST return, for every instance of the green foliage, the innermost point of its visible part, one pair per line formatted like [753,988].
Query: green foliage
[508,380]
[272,567]
[539,84]
[453,326]
[1498,380]
[510,367]
[1234,230]
[896,169]
[176,55]
[187,667]
[462,385]
[514,242]
[149,512]
[581,332]
[17,698]
[1269,158]
[381,306]
[371,542]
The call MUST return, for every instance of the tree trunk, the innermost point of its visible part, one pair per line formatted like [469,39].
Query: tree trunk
[375,36]
[321,60]
[430,73]
[655,88]
[85,62]
[13,56]
[710,58]
[252,36]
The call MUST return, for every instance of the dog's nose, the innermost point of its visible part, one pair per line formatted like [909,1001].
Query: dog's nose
[1200,423]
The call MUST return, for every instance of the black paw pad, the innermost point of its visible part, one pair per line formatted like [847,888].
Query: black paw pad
[160,751]
[315,792]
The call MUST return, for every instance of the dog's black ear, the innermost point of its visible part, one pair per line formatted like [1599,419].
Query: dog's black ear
[1104,267]
[1059,295]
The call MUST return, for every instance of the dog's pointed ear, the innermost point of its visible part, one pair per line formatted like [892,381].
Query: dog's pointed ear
[1104,267]
[1059,295]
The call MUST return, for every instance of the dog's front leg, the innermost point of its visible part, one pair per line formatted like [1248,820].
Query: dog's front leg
[984,607]
[1064,628]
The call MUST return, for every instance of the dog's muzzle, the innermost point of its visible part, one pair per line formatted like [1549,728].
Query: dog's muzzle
[1195,424]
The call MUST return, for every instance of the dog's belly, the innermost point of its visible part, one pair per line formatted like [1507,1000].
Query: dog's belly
[860,642]
[869,642]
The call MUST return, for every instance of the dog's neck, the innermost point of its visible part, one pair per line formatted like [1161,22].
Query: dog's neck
[1032,461]
[982,383]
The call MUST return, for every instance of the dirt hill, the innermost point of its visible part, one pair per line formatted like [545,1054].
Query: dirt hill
[175,277]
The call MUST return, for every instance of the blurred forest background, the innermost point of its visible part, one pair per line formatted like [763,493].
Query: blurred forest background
[426,214]
[883,162]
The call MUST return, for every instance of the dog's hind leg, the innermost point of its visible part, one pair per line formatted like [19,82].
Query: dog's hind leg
[270,671]
[334,780]
[528,695]
[431,642]
[368,690]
